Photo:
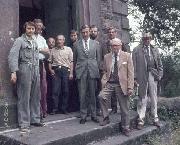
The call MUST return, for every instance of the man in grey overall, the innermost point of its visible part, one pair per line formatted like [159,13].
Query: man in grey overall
[24,66]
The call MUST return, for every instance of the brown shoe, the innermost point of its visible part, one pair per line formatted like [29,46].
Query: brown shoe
[105,121]
[140,126]
[94,119]
[126,131]
[157,124]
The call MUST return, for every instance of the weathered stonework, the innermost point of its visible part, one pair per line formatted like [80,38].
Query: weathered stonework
[114,13]
[9,11]
[103,13]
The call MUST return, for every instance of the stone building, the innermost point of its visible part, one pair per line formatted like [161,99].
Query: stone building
[59,16]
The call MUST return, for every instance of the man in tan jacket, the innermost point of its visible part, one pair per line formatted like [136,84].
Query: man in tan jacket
[118,78]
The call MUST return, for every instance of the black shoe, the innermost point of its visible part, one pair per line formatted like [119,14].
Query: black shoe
[126,131]
[94,119]
[54,112]
[113,112]
[105,121]
[157,124]
[40,124]
[82,121]
[140,126]
[64,112]
[98,113]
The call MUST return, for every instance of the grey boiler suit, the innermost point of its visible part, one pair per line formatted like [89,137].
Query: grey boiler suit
[24,60]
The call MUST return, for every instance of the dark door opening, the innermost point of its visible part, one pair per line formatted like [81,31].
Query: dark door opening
[59,16]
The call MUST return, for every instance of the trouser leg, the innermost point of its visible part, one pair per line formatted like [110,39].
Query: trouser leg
[104,98]
[35,98]
[65,89]
[43,87]
[124,106]
[98,89]
[82,87]
[114,102]
[23,91]
[56,84]
[92,96]
[153,97]
[141,107]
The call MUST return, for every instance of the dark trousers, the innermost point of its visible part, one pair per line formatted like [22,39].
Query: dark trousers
[43,86]
[60,90]
[73,102]
[49,93]
[114,102]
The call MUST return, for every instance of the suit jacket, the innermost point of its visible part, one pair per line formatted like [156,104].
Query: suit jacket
[140,67]
[125,71]
[90,62]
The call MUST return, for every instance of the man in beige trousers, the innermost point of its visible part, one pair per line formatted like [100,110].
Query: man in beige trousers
[118,78]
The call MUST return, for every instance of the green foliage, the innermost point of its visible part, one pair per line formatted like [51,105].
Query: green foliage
[162,19]
[171,80]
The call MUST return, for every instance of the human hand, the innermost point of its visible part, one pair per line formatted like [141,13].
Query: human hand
[13,78]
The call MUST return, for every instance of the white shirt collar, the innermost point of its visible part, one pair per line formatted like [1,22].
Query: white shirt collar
[87,42]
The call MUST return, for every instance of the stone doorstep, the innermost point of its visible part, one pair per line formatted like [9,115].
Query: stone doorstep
[137,137]
[66,131]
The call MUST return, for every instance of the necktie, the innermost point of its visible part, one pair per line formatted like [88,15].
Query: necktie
[115,73]
[86,47]
[146,49]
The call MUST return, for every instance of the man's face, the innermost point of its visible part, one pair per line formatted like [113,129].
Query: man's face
[85,33]
[51,43]
[60,41]
[116,48]
[73,37]
[146,40]
[112,34]
[93,33]
[39,28]
[30,30]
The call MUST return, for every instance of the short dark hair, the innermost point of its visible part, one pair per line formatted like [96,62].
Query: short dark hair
[73,31]
[94,26]
[29,23]
[39,21]
[111,28]
[84,27]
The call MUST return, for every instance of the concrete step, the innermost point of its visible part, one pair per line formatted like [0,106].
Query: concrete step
[137,137]
[64,130]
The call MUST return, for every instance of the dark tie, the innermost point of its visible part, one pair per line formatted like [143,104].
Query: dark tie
[146,50]
[115,73]
[86,47]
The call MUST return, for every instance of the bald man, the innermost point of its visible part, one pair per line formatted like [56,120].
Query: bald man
[118,79]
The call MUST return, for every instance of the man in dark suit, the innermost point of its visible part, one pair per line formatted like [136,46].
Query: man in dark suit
[87,60]
[148,70]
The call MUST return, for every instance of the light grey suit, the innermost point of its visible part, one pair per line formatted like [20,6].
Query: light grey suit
[87,71]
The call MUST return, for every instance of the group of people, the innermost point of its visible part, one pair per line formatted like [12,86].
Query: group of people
[89,74]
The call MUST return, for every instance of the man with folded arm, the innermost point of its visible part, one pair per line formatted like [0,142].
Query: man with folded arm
[148,71]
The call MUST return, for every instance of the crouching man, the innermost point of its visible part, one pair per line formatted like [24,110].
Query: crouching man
[118,78]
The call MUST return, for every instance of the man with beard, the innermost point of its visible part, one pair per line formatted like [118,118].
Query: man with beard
[51,45]
[94,32]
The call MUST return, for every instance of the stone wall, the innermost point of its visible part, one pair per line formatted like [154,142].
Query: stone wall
[9,11]
[114,13]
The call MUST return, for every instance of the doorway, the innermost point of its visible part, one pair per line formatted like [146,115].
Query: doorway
[59,16]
